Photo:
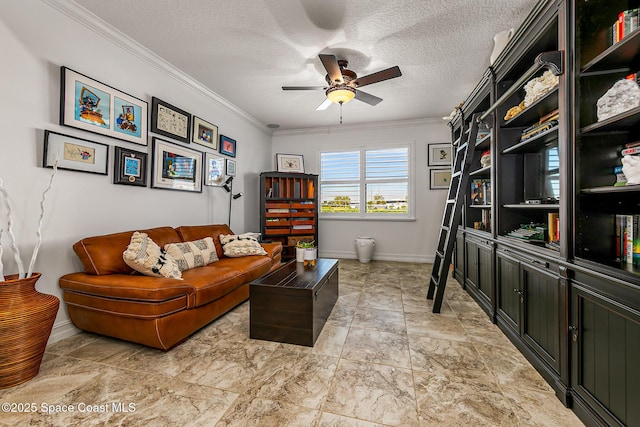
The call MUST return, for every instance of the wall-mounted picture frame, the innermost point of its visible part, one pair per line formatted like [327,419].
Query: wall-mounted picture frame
[75,154]
[227,146]
[170,121]
[439,179]
[439,154]
[204,133]
[129,167]
[290,163]
[175,167]
[231,167]
[214,170]
[93,106]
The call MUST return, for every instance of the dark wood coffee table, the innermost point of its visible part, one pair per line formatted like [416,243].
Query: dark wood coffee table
[292,303]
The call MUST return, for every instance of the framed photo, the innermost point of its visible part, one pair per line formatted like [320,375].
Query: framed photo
[175,167]
[231,167]
[74,154]
[89,105]
[130,167]
[227,146]
[439,179]
[290,163]
[214,170]
[204,133]
[439,154]
[170,121]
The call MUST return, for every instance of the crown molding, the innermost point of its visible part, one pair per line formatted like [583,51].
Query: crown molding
[361,126]
[81,15]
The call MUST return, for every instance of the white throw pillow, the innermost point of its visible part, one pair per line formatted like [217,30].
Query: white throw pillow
[241,245]
[197,253]
[146,257]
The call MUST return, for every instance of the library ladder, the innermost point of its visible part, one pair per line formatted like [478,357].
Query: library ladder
[458,187]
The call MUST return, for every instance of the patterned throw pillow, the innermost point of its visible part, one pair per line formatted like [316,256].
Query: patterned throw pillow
[197,253]
[241,245]
[146,257]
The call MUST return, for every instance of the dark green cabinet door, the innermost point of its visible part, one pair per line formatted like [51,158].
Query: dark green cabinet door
[606,356]
[508,288]
[540,314]
[471,254]
[484,272]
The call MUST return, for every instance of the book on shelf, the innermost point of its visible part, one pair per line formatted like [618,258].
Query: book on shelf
[537,129]
[278,210]
[626,23]
[276,189]
[296,190]
[479,189]
[632,144]
[303,227]
[621,179]
[630,151]
[627,239]
[553,227]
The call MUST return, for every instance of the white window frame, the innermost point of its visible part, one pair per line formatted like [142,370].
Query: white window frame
[363,215]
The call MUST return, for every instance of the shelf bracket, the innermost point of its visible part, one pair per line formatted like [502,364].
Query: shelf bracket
[554,61]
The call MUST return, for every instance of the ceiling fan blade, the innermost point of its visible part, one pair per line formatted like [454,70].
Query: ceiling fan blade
[389,73]
[303,87]
[367,98]
[330,63]
[325,104]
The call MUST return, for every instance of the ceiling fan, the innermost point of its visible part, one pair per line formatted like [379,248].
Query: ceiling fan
[344,84]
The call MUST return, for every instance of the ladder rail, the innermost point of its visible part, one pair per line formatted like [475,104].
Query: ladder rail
[458,187]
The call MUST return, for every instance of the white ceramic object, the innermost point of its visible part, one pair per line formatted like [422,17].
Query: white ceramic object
[364,247]
[500,41]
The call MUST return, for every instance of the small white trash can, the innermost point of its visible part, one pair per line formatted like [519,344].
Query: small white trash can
[364,248]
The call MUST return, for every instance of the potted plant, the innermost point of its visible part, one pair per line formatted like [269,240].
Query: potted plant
[306,252]
[26,315]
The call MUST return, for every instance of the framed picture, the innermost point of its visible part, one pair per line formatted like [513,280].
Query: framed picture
[74,154]
[130,167]
[227,146]
[213,170]
[204,133]
[175,167]
[89,105]
[231,167]
[439,179]
[170,121]
[290,163]
[439,154]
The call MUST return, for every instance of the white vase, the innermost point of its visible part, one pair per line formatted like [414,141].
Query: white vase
[310,254]
[300,254]
[500,41]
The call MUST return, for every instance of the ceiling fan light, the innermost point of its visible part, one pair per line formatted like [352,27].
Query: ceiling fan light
[341,94]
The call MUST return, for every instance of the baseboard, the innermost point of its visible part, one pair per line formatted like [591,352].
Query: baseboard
[379,256]
[61,331]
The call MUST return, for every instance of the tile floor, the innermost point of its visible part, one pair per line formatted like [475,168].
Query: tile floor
[382,359]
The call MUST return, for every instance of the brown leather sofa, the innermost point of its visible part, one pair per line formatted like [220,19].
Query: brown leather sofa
[109,298]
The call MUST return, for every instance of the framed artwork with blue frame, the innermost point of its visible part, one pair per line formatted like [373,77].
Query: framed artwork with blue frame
[130,167]
[227,146]
[93,106]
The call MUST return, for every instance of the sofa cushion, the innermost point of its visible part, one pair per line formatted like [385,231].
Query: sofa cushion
[195,232]
[197,253]
[241,245]
[146,257]
[103,254]
[220,278]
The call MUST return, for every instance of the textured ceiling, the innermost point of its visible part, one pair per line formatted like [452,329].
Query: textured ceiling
[246,50]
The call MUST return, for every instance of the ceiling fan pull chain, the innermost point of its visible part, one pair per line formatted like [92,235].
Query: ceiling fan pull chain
[341,112]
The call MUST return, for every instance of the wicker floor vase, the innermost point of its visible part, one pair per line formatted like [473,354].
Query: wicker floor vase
[26,319]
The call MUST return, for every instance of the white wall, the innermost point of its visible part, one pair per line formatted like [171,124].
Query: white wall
[413,241]
[36,38]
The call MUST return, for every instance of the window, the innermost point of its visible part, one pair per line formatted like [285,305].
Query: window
[366,182]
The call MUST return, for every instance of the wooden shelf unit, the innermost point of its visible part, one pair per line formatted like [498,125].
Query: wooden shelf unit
[288,209]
